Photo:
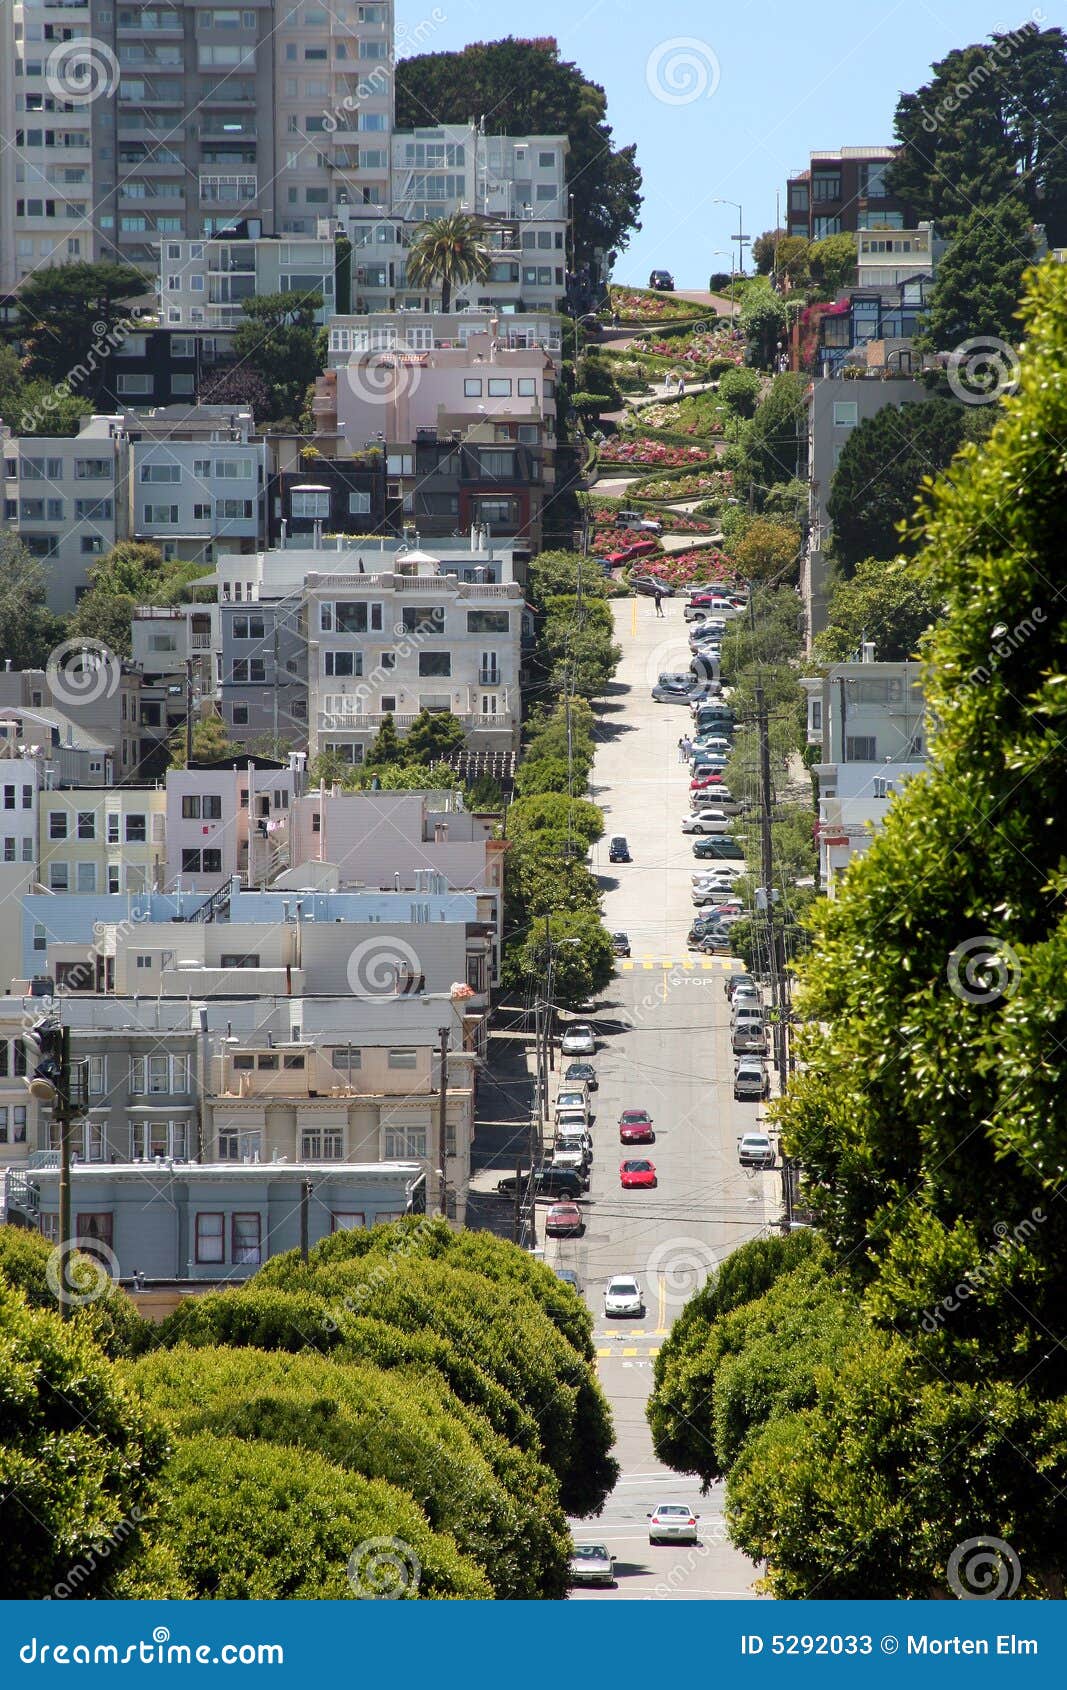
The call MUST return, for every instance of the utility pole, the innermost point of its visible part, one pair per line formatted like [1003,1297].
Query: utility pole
[767,876]
[188,712]
[305,1218]
[535,1127]
[517,1233]
[442,1120]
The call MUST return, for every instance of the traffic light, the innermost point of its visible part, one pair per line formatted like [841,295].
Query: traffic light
[47,1036]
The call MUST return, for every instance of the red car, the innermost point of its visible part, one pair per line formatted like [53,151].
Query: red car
[635,1127]
[637,1173]
[702,782]
[564,1220]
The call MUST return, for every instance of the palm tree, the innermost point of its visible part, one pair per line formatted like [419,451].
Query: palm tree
[449,250]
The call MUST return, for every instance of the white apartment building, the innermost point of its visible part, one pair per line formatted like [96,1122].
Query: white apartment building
[189,496]
[869,720]
[206,283]
[63,497]
[886,257]
[517,184]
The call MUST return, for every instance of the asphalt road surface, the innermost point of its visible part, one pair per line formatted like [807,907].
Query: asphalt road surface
[663,1045]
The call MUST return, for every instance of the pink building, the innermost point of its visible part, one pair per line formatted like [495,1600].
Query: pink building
[227,820]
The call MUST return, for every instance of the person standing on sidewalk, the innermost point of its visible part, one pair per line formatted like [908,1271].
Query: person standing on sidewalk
[659,602]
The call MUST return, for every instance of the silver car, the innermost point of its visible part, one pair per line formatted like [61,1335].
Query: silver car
[673,1523]
[591,1564]
[755,1150]
[622,1296]
[751,1081]
[578,1040]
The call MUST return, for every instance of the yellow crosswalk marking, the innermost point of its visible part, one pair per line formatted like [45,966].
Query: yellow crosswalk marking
[626,966]
[632,1352]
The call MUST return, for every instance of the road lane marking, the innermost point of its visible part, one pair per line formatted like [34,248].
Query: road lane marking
[661,1303]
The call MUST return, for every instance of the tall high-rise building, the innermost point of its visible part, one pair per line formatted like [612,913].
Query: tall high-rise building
[178,118]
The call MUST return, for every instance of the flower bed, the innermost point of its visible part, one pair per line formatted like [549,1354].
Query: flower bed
[639,305]
[646,451]
[702,347]
[687,569]
[674,522]
[697,484]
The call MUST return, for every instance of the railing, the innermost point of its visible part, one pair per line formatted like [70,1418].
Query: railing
[340,722]
[489,677]
[212,906]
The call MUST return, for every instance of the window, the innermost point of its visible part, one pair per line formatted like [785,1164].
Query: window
[245,1237]
[86,824]
[403,1059]
[325,1144]
[86,877]
[97,1066]
[423,618]
[59,877]
[472,388]
[354,617]
[248,628]
[487,621]
[57,824]
[846,413]
[210,1238]
[342,663]
[826,185]
[95,1229]
[346,1059]
[404,1144]
[347,1221]
[435,663]
[358,503]
[240,1145]
[500,386]
[160,515]
[860,748]
[527,388]
[242,959]
[823,226]
[136,830]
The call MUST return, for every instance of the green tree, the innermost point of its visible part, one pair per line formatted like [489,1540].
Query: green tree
[71,316]
[881,472]
[546,95]
[764,247]
[277,339]
[774,439]
[211,744]
[433,735]
[768,551]
[451,251]
[579,971]
[740,391]
[927,1110]
[385,747]
[886,600]
[29,632]
[553,812]
[79,1459]
[991,123]
[979,285]
[763,320]
[832,262]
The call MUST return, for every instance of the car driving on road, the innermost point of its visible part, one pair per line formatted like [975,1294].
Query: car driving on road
[639,1174]
[623,1296]
[672,1522]
[591,1564]
[564,1220]
[635,1127]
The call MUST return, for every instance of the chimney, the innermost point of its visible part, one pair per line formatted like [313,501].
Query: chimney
[867,651]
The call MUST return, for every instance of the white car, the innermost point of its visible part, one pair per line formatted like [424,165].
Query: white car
[755,1150]
[592,1563]
[706,821]
[672,1522]
[714,742]
[751,1081]
[572,1121]
[637,523]
[571,1100]
[578,1040]
[622,1296]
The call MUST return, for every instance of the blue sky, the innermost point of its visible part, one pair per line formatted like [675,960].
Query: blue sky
[787,77]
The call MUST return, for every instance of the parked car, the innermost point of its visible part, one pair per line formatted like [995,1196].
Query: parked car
[725,848]
[578,1040]
[675,689]
[649,584]
[564,1220]
[546,1181]
[638,523]
[755,1150]
[571,1097]
[734,982]
[706,821]
[751,1081]
[584,1071]
[715,944]
[620,944]
[635,1127]
[750,1039]
[572,1137]
[710,780]
[701,847]
[696,937]
[662,281]
[637,1173]
[618,850]
[572,1120]
[573,1156]
[623,1295]
[569,1277]
[672,1522]
[636,549]
[592,1564]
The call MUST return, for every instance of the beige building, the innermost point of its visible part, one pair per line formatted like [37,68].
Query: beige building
[103,840]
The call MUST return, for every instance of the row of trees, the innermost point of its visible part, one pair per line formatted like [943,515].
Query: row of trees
[408,1383]
[891,1395]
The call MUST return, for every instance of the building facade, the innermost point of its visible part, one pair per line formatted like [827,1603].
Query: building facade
[110,840]
[843,190]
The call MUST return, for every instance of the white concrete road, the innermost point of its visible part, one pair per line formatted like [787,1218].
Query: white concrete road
[663,1044]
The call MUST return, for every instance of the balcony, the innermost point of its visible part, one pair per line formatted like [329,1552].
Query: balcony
[489,677]
[472,721]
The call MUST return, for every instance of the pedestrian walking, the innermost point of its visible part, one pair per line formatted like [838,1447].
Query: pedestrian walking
[681,386]
[681,749]
[659,602]
[614,319]
[687,748]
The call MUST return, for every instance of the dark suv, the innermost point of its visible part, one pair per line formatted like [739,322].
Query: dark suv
[547,1182]
[618,850]
[662,281]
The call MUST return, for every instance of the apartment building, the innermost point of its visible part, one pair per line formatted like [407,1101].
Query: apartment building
[205,283]
[19,1112]
[874,327]
[110,840]
[835,407]
[268,624]
[190,496]
[63,498]
[223,821]
[887,257]
[206,116]
[844,190]
[311,493]
[59,750]
[869,721]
